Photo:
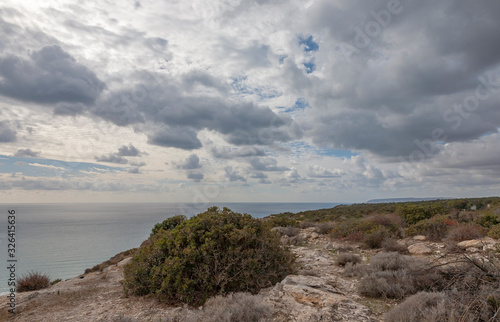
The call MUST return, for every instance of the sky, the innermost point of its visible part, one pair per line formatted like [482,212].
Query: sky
[248,100]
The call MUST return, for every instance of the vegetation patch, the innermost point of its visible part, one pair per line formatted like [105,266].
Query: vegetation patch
[214,253]
[32,281]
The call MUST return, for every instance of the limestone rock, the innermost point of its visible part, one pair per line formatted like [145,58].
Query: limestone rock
[419,249]
[476,243]
[311,298]
[420,238]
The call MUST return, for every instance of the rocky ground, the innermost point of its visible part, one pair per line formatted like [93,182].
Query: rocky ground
[318,293]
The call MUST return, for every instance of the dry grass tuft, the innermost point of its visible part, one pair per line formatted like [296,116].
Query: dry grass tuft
[33,281]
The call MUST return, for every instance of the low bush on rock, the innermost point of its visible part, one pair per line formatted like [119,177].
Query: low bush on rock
[344,258]
[392,275]
[214,253]
[235,307]
[423,306]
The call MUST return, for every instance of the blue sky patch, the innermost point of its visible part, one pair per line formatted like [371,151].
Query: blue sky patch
[299,105]
[310,66]
[308,43]
[240,87]
[302,148]
[38,167]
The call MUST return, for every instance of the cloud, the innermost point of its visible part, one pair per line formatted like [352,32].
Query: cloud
[181,138]
[134,171]
[7,134]
[192,162]
[385,97]
[128,151]
[266,164]
[177,119]
[233,175]
[319,172]
[232,153]
[49,75]
[27,153]
[70,109]
[112,158]
[138,164]
[196,176]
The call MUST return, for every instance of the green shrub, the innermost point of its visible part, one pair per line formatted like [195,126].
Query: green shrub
[32,281]
[494,231]
[214,253]
[489,219]
[413,213]
[169,223]
[375,238]
[55,281]
[434,228]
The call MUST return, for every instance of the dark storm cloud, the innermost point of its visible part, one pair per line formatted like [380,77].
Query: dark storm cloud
[128,151]
[192,162]
[70,109]
[7,133]
[243,152]
[432,66]
[112,158]
[181,138]
[48,75]
[178,118]
[27,153]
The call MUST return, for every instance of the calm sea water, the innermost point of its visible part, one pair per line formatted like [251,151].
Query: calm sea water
[62,240]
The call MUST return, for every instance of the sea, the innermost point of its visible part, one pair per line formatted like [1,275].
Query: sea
[62,240]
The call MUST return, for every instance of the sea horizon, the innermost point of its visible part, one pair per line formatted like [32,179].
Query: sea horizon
[64,239]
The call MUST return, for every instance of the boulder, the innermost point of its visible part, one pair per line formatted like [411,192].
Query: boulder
[420,238]
[476,243]
[311,298]
[419,249]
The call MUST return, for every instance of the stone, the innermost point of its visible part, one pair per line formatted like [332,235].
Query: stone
[314,235]
[311,298]
[470,243]
[420,238]
[419,249]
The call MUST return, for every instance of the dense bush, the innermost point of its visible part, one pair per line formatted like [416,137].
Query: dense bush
[167,224]
[214,253]
[434,228]
[32,281]
[494,231]
[414,213]
[464,232]
[372,230]
[391,275]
